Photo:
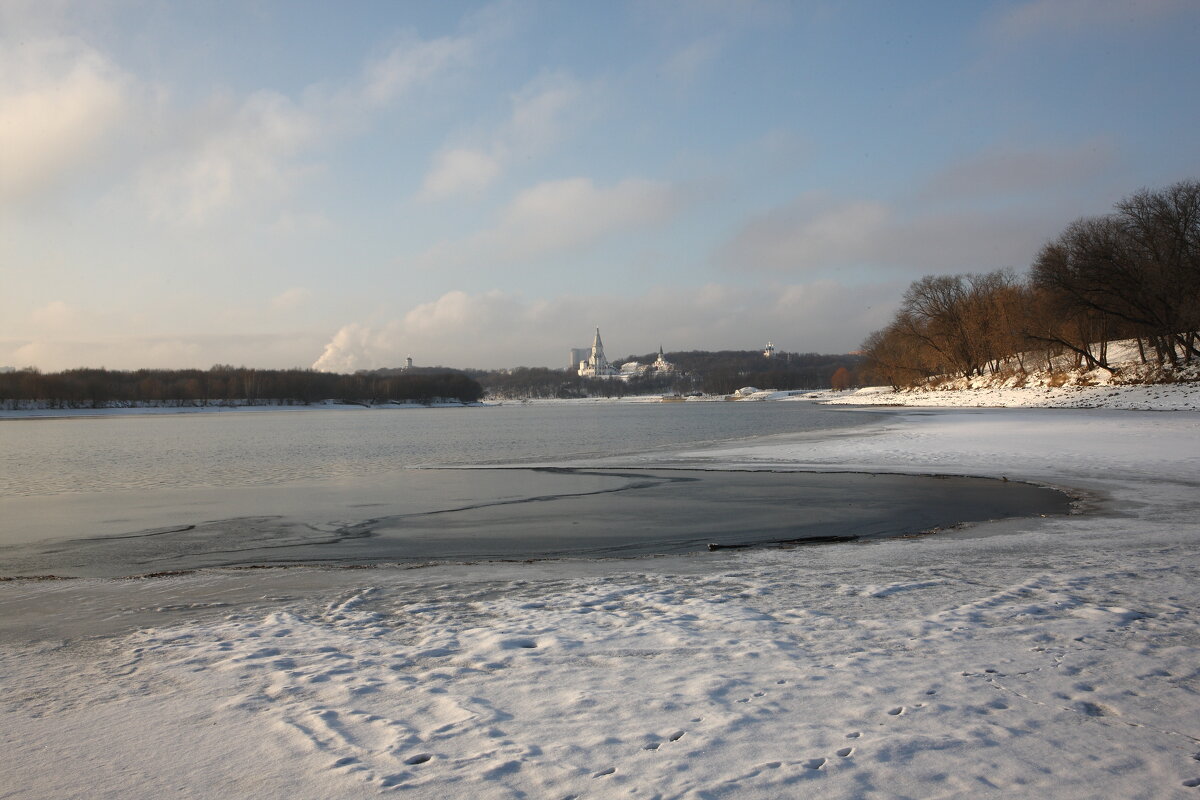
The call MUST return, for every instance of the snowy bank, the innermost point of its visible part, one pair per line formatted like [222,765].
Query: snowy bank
[1039,658]
[1144,397]
[1129,384]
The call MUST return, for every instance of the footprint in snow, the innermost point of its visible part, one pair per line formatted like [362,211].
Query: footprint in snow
[604,772]
[814,763]
[854,734]
[845,752]
[897,711]
[676,736]
[1192,783]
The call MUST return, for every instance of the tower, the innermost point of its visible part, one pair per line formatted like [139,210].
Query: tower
[596,365]
[661,364]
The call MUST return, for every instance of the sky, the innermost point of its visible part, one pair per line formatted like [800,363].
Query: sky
[343,185]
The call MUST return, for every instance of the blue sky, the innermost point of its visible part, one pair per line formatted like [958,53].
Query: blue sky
[479,184]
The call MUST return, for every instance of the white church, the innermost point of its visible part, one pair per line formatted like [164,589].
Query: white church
[595,365]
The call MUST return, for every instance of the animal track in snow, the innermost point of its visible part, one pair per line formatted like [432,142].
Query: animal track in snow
[845,752]
[814,763]
[419,758]
[854,734]
[1192,783]
[676,736]
[897,711]
[604,772]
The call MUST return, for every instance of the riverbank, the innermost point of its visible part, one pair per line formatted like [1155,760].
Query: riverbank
[1030,658]
[965,394]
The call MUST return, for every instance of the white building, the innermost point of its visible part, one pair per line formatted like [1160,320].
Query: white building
[661,364]
[596,365]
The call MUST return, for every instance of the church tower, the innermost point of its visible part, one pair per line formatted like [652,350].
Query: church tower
[661,364]
[596,365]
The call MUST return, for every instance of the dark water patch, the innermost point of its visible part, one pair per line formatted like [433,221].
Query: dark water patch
[468,515]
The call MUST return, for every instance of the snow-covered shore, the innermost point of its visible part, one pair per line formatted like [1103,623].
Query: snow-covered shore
[1130,384]
[1040,658]
[1147,397]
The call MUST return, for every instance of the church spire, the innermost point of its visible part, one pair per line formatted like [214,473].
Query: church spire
[596,365]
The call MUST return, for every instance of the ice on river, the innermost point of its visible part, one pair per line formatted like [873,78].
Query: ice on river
[1041,658]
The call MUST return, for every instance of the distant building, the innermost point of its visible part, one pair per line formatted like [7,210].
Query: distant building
[596,365]
[769,350]
[578,354]
[661,364]
[633,369]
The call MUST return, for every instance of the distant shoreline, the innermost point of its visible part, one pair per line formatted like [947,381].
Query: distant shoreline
[224,408]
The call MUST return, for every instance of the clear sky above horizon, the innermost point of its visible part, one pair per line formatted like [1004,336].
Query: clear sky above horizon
[277,183]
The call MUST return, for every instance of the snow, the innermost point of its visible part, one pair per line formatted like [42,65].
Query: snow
[1130,385]
[1035,658]
[1149,397]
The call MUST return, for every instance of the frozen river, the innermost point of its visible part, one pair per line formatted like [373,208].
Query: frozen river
[147,494]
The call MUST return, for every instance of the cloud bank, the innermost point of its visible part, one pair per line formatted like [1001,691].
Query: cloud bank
[499,329]
[59,100]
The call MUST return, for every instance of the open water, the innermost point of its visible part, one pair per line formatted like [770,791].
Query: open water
[143,494]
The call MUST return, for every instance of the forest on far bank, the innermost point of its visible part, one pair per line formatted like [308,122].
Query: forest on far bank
[227,385]
[702,371]
[696,371]
[1132,274]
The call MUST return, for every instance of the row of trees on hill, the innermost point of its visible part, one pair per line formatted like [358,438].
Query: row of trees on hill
[1131,274]
[223,385]
[714,373]
[709,372]
[726,371]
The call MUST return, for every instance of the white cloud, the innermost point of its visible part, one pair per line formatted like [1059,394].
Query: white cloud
[825,239]
[1005,171]
[459,171]
[556,216]
[809,233]
[540,114]
[991,210]
[411,64]
[562,216]
[688,61]
[500,329]
[542,111]
[55,315]
[59,100]
[234,154]
[251,153]
[54,353]
[292,298]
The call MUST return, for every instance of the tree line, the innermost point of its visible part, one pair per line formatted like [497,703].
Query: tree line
[708,372]
[226,385]
[1130,274]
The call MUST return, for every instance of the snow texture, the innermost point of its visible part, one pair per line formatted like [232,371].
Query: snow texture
[1054,657]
